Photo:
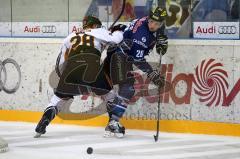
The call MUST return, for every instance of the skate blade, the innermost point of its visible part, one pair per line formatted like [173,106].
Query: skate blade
[38,135]
[119,135]
[109,134]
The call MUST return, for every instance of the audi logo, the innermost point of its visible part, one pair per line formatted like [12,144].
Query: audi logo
[227,30]
[4,76]
[49,29]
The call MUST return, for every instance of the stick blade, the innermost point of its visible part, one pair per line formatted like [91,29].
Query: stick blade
[155,138]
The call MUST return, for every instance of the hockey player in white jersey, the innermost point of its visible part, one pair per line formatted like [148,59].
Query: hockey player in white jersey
[80,67]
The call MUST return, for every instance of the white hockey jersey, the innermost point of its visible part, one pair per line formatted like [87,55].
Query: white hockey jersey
[97,38]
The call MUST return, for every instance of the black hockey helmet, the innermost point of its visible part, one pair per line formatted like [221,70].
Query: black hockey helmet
[158,14]
[89,21]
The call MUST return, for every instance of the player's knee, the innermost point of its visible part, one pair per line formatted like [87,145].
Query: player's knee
[127,93]
[109,96]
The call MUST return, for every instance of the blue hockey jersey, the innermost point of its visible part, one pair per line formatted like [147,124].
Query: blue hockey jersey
[142,40]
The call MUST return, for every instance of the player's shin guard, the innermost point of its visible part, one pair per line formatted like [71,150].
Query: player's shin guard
[48,116]
[109,97]
[50,112]
[116,110]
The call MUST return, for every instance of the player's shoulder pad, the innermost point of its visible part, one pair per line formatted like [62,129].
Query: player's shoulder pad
[138,23]
[69,37]
[72,35]
[131,25]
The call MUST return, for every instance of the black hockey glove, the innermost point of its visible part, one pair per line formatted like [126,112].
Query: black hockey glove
[119,27]
[156,78]
[162,44]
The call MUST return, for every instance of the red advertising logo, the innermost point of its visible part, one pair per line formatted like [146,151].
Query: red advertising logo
[43,29]
[209,83]
[210,30]
[32,29]
[76,29]
[222,30]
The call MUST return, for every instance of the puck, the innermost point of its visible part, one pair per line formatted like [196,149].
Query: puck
[89,150]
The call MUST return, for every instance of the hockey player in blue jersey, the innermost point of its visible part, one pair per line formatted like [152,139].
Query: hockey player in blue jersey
[139,39]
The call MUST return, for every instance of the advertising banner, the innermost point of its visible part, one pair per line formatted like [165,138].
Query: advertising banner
[40,29]
[5,29]
[216,30]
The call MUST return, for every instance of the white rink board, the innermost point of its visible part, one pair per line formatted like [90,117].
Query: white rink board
[36,58]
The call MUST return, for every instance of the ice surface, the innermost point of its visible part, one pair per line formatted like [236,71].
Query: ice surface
[71,142]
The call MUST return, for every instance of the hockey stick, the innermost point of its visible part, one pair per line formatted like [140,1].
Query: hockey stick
[119,16]
[161,31]
[159,102]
